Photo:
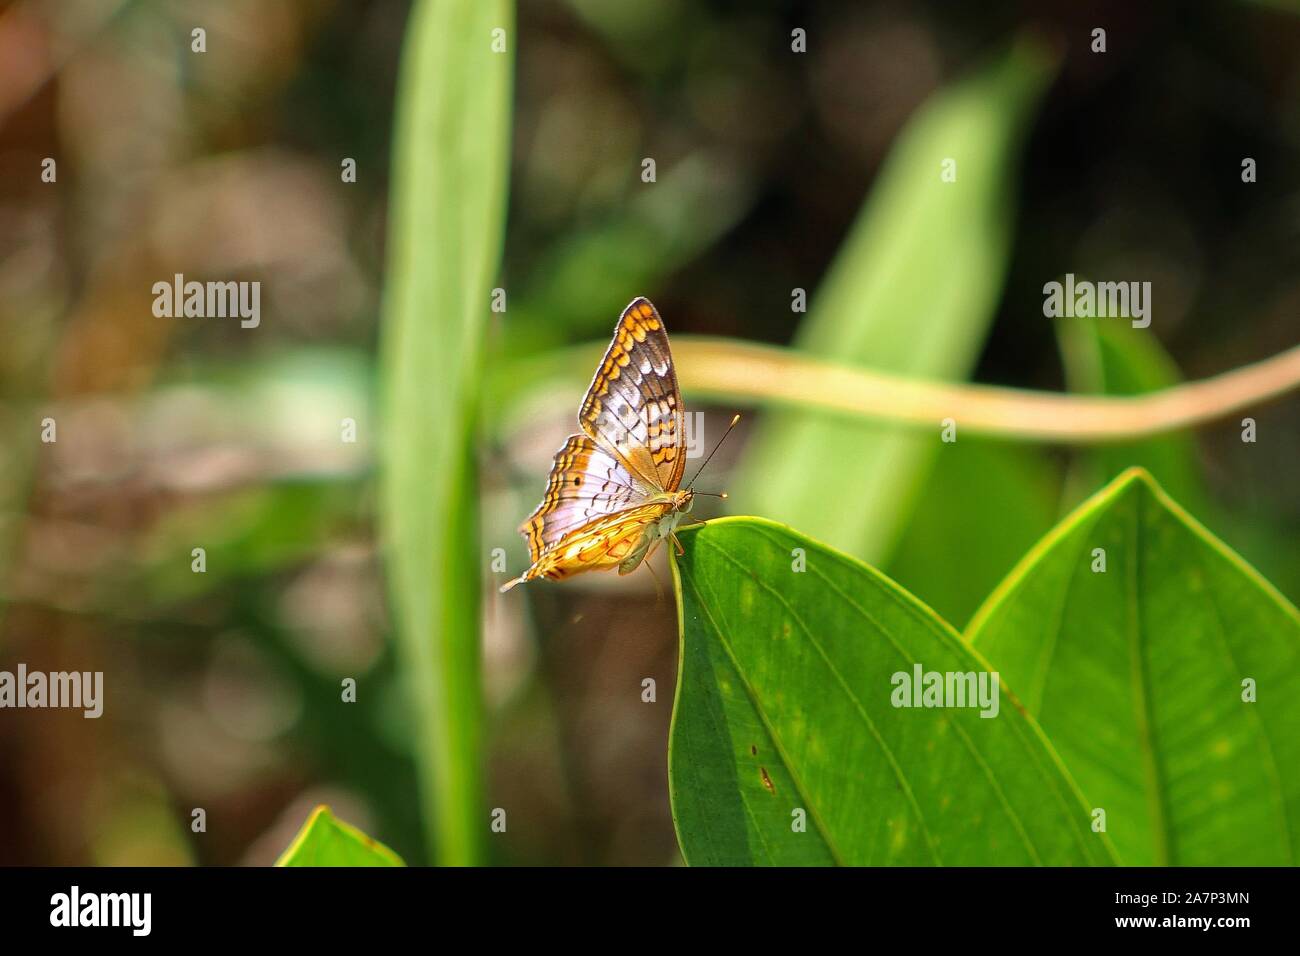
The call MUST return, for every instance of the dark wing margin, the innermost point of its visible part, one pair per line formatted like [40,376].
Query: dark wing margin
[633,408]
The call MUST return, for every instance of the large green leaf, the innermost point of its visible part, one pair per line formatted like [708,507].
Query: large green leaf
[325,840]
[913,290]
[784,702]
[1136,674]
[450,161]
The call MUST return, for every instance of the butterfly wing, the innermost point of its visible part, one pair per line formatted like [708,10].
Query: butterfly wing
[597,506]
[603,542]
[633,409]
[586,483]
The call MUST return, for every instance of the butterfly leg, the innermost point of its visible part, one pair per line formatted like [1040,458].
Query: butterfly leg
[653,548]
[659,588]
[677,544]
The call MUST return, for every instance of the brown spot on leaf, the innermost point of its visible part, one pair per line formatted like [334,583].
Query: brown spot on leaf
[767,781]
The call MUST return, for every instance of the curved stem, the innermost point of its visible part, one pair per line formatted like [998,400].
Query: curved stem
[732,369]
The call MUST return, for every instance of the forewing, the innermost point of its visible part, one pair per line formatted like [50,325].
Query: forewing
[633,409]
[586,483]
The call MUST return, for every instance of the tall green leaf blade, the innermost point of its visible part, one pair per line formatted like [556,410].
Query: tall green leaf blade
[448,210]
[325,840]
[986,501]
[913,291]
[1136,673]
[784,703]
[1110,357]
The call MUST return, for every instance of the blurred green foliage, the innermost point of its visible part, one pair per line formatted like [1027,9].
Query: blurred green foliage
[913,290]
[177,434]
[449,201]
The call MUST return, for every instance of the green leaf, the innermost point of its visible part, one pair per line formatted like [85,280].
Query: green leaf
[784,702]
[1110,357]
[1137,676]
[912,291]
[325,840]
[986,501]
[448,206]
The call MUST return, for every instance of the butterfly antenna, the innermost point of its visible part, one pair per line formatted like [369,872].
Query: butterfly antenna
[714,452]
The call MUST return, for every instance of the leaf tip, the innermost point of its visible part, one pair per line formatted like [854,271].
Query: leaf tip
[1133,477]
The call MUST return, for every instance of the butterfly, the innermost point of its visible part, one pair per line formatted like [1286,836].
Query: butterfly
[614,492]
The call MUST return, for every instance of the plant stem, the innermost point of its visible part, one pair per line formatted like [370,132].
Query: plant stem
[742,370]
[731,370]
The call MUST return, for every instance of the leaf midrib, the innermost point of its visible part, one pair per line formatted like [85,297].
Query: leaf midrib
[1143,711]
